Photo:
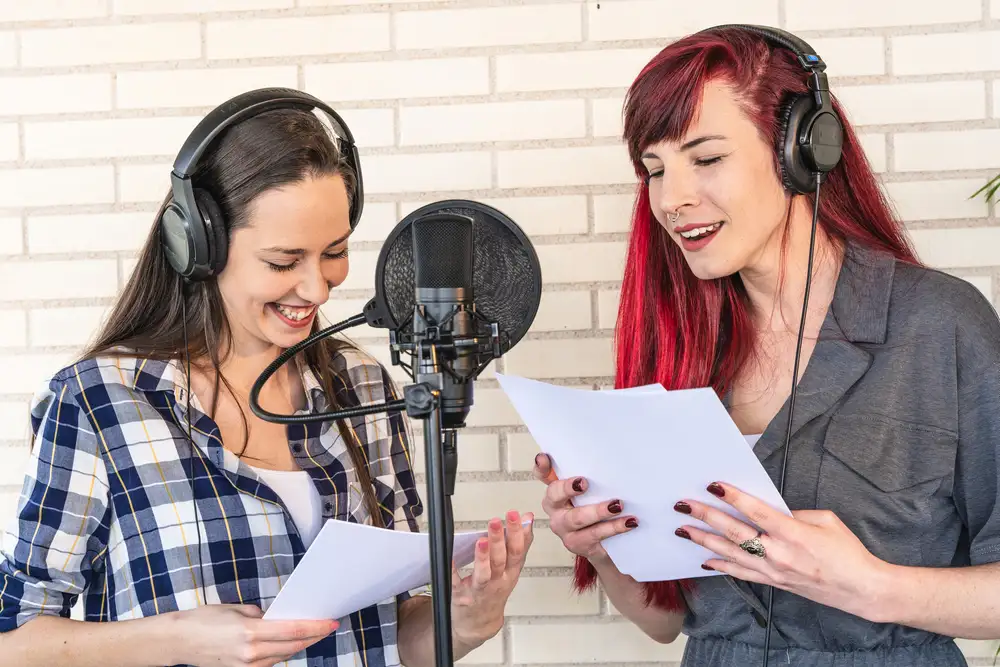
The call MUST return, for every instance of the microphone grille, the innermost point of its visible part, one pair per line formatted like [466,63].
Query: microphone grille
[442,251]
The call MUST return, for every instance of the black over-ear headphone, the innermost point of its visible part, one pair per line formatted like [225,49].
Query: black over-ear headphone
[192,229]
[812,135]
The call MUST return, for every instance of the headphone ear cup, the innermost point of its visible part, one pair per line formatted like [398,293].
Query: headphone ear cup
[796,175]
[175,238]
[215,233]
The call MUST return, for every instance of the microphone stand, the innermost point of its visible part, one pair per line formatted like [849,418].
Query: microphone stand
[421,400]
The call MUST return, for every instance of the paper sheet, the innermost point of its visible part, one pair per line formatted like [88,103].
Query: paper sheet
[351,566]
[650,448]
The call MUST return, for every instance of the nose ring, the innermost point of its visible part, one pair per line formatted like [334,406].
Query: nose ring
[673,217]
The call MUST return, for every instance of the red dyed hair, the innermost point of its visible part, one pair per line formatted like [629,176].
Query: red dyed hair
[674,328]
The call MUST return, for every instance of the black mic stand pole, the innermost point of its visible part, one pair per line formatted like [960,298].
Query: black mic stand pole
[423,401]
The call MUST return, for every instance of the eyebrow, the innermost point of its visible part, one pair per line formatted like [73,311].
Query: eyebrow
[689,145]
[300,251]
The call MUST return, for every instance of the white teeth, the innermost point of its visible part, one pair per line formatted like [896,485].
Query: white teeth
[700,231]
[297,314]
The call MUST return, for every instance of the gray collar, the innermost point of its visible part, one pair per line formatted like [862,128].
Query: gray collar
[860,304]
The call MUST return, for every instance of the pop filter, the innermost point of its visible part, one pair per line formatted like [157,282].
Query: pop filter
[506,275]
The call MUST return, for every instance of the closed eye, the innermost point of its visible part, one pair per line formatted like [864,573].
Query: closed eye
[288,267]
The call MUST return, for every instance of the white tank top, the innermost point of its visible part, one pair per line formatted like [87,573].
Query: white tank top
[297,491]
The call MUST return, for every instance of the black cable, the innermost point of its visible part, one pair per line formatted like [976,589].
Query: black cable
[791,398]
[191,445]
[389,406]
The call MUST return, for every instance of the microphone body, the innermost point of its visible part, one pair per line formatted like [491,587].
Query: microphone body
[444,329]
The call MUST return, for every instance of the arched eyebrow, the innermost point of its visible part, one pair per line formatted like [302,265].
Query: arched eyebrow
[299,251]
[689,145]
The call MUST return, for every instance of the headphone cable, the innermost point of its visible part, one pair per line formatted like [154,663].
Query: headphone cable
[791,398]
[191,445]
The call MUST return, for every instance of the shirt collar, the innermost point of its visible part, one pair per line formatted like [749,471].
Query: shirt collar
[861,297]
[153,375]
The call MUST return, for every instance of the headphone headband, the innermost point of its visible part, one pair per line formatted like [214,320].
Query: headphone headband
[240,108]
[808,58]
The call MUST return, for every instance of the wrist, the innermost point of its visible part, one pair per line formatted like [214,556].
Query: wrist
[884,590]
[604,566]
[165,637]
[468,636]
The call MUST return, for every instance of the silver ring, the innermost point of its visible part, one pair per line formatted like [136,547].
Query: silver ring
[673,217]
[754,546]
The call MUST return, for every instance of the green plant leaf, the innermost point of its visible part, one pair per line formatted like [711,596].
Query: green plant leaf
[990,189]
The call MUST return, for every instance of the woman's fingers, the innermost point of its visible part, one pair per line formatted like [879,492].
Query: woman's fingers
[543,469]
[583,541]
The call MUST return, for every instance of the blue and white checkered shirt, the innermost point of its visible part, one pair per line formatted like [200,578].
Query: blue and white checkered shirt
[106,510]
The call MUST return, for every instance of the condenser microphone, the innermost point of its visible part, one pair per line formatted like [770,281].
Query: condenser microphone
[444,310]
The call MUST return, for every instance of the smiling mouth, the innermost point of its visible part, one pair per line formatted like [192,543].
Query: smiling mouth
[295,316]
[700,231]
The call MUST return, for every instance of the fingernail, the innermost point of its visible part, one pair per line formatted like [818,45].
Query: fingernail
[680,532]
[512,516]
[578,485]
[707,567]
[682,507]
[538,460]
[716,489]
[615,506]
[631,523]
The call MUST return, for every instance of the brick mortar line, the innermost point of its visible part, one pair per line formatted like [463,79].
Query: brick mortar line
[298,11]
[985,22]
[611,187]
[314,60]
[498,146]
[605,93]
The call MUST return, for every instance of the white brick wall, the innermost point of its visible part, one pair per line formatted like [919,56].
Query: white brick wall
[510,102]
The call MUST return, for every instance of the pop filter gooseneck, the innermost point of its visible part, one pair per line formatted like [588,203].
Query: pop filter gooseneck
[458,284]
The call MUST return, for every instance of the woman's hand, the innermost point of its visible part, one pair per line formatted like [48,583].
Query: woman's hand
[237,636]
[581,529]
[811,554]
[478,600]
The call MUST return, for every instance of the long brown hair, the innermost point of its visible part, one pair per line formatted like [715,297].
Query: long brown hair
[264,152]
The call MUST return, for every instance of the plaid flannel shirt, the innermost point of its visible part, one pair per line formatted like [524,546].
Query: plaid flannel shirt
[106,510]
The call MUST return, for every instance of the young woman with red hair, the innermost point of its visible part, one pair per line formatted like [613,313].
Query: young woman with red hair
[892,466]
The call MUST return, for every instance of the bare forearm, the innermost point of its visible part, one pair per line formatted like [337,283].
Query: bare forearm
[626,595]
[959,602]
[415,639]
[49,641]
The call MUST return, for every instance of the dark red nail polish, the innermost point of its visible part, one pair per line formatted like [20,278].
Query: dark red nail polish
[631,522]
[615,507]
[682,507]
[707,567]
[716,489]
[680,532]
[578,485]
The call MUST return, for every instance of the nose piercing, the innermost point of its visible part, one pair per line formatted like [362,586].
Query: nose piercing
[673,217]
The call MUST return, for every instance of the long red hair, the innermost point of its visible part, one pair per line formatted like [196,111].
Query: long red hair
[674,328]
